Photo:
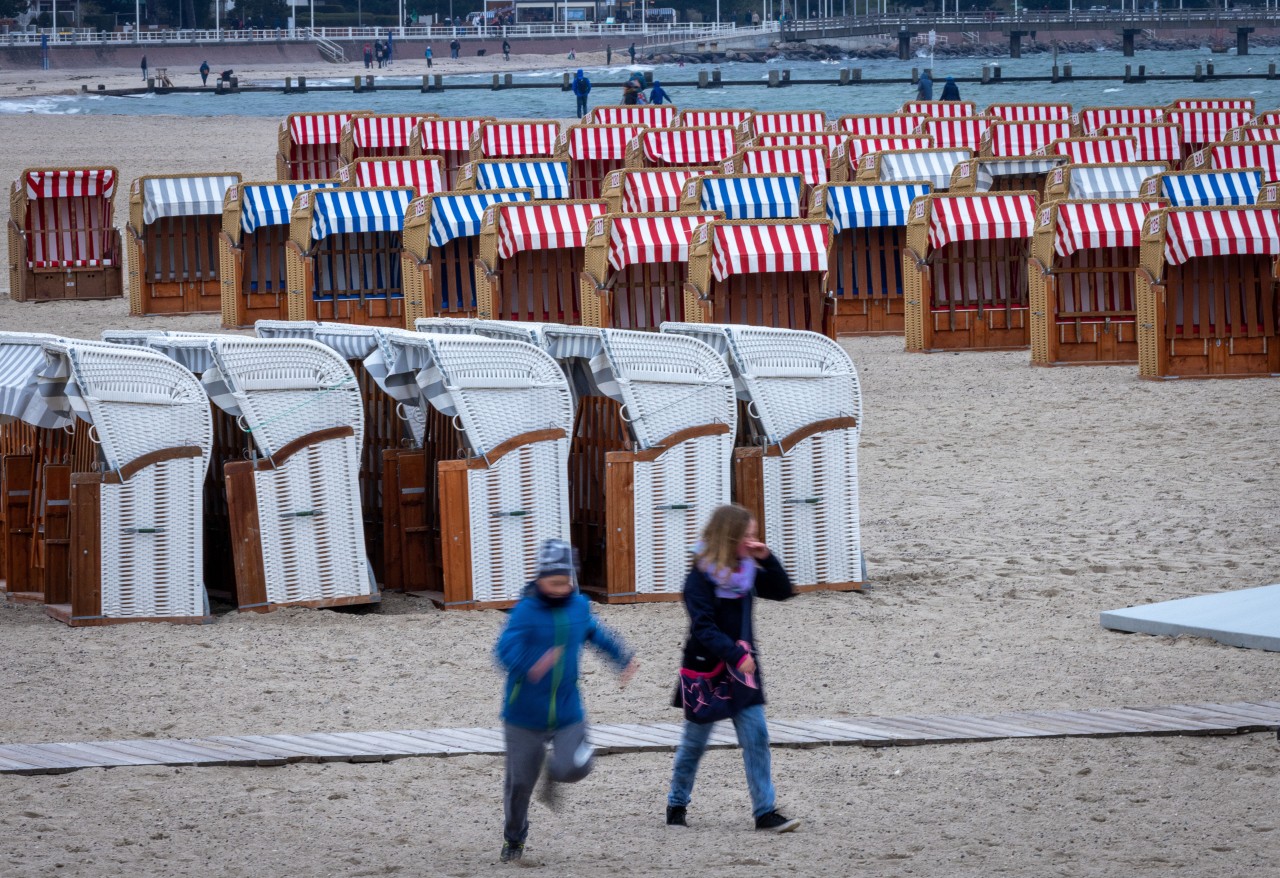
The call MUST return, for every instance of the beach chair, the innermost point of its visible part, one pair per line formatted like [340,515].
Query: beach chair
[683,147]
[508,406]
[343,256]
[1207,293]
[1050,112]
[940,109]
[63,243]
[1107,180]
[547,178]
[1090,120]
[296,528]
[956,133]
[1082,274]
[1205,188]
[531,259]
[759,122]
[1253,132]
[760,273]
[799,474]
[379,135]
[514,139]
[1157,141]
[812,163]
[880,124]
[593,152]
[1267,118]
[710,118]
[747,196]
[634,268]
[1233,156]
[441,243]
[965,268]
[1204,127]
[310,146]
[645,190]
[641,115]
[868,230]
[251,250]
[1247,104]
[932,166]
[174,226]
[136,541]
[1012,174]
[450,138]
[1009,139]
[1095,150]
[40,449]
[846,160]
[425,175]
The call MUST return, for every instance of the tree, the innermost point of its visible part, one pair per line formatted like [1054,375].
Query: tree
[12,8]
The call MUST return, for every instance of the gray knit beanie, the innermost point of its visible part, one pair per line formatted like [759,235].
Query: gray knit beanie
[555,558]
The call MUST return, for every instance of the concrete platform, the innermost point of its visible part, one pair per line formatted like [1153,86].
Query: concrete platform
[1249,618]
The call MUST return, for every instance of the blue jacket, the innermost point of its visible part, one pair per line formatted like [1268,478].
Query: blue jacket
[534,627]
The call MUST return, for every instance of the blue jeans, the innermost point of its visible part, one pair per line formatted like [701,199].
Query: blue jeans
[582,105]
[753,738]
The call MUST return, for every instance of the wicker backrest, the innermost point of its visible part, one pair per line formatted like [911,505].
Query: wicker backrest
[424,173]
[934,165]
[1104,180]
[434,220]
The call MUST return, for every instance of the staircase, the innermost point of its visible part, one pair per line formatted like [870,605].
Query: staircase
[331,51]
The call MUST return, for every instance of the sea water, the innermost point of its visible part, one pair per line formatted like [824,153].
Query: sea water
[608,81]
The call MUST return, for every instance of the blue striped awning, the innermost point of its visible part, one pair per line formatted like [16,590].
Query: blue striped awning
[184,196]
[772,197]
[21,361]
[546,179]
[1213,188]
[861,206]
[269,205]
[344,211]
[458,216]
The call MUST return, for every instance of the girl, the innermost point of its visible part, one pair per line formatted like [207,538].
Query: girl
[730,567]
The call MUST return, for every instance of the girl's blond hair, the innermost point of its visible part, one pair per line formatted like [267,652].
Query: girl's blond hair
[720,538]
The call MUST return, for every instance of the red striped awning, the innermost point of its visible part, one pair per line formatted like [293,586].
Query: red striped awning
[811,138]
[640,115]
[1093,118]
[655,191]
[712,118]
[636,240]
[1255,132]
[860,146]
[1221,232]
[1207,126]
[448,135]
[888,125]
[1098,150]
[956,133]
[1030,112]
[939,109]
[772,123]
[1215,104]
[1157,141]
[979,217]
[768,247]
[1265,155]
[811,162]
[1024,138]
[91,182]
[519,139]
[317,129]
[601,141]
[1268,117]
[692,146]
[542,226]
[383,132]
[1086,226]
[426,176]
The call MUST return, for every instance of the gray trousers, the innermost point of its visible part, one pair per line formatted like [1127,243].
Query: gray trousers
[571,761]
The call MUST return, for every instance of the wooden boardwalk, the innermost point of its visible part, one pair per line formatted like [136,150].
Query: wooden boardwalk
[896,731]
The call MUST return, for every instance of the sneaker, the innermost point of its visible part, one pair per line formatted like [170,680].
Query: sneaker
[675,815]
[512,851]
[775,822]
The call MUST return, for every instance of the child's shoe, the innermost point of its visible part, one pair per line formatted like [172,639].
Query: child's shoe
[675,815]
[775,822]
[512,851]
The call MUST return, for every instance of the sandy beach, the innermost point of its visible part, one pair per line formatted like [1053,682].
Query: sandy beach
[1003,507]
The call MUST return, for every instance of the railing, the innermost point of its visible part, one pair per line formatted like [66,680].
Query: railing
[977,20]
[329,49]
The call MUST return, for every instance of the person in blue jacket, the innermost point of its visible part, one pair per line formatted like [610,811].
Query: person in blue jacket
[539,649]
[581,88]
[658,94]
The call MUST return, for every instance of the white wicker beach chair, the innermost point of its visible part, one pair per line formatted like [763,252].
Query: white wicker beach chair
[805,406]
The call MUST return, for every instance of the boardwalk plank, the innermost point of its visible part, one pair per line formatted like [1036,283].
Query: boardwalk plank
[1075,726]
[1152,724]
[1249,720]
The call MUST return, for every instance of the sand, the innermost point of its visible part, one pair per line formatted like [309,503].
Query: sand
[1003,507]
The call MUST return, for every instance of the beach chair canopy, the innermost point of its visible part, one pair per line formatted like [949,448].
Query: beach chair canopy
[771,123]
[940,109]
[803,138]
[1157,141]
[1206,126]
[448,134]
[346,211]
[988,169]
[188,349]
[1096,150]
[350,342]
[857,147]
[1197,232]
[647,115]
[655,191]
[1215,104]
[871,205]
[1094,118]
[982,217]
[1029,112]
[317,129]
[955,133]
[760,197]
[184,196]
[712,118]
[1109,181]
[931,165]
[1227,156]
[269,204]
[514,139]
[69,216]
[600,142]
[1097,226]
[637,240]
[1212,188]
[1024,138]
[459,214]
[68,183]
[811,162]
[548,180]
[884,125]
[539,226]
[22,360]
[755,248]
[1248,133]
[425,175]
[688,146]
[383,132]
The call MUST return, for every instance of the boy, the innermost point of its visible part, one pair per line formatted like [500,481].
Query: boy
[539,649]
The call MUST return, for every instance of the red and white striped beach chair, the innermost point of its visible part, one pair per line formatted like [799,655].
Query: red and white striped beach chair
[966,133]
[515,138]
[1029,112]
[1095,150]
[682,147]
[774,123]
[649,190]
[1004,139]
[711,118]
[634,115]
[813,163]
[1090,119]
[449,138]
[310,145]
[379,135]
[1157,141]
[881,124]
[425,175]
[846,160]
[595,151]
[1202,127]
[940,109]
